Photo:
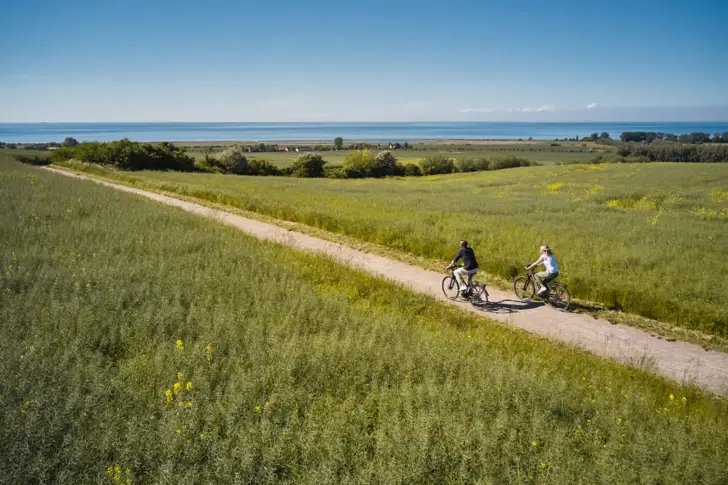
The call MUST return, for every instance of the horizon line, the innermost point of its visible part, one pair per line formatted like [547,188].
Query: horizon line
[369,121]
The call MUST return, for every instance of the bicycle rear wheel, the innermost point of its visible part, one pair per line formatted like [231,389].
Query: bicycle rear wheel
[524,288]
[559,297]
[479,295]
[450,288]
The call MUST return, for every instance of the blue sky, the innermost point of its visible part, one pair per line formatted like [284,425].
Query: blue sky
[522,60]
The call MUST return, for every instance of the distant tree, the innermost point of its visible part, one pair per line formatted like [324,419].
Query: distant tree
[338,143]
[724,137]
[594,136]
[717,138]
[405,145]
[670,137]
[70,142]
[604,135]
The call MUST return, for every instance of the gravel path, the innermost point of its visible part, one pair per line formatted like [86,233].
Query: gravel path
[681,361]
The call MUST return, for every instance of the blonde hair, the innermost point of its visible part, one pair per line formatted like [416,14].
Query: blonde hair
[547,249]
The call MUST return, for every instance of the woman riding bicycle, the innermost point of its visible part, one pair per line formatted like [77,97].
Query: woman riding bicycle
[552,268]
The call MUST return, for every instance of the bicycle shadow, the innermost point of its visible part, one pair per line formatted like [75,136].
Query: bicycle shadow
[509,306]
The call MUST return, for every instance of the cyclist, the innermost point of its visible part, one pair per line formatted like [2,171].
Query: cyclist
[469,268]
[552,268]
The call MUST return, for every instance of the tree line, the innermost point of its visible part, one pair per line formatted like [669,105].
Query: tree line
[687,138]
[125,154]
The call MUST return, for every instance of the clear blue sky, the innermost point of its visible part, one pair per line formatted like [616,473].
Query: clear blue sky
[525,60]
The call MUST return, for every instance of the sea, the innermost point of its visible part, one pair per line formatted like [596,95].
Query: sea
[316,131]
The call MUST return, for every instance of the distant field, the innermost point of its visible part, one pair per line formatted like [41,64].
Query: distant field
[646,238]
[535,151]
[140,344]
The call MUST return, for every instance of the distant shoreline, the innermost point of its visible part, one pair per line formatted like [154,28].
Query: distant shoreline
[324,133]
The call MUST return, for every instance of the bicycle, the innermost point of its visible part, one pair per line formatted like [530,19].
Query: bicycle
[556,293]
[475,291]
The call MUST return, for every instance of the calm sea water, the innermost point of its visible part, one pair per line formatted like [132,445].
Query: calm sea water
[403,131]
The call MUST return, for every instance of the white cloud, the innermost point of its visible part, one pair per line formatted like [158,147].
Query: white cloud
[477,110]
[592,105]
[537,110]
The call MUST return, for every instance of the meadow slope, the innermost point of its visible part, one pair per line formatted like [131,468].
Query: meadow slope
[644,238]
[140,344]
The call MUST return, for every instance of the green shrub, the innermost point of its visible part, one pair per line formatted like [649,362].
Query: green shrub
[33,159]
[232,160]
[307,165]
[472,165]
[412,170]
[510,162]
[128,155]
[437,164]
[263,168]
[363,163]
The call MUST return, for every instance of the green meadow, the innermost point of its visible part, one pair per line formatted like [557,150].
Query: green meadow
[648,239]
[141,344]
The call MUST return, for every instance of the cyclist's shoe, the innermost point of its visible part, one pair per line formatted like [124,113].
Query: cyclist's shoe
[542,291]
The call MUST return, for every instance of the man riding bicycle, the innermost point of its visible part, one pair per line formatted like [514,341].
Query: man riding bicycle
[469,268]
[552,268]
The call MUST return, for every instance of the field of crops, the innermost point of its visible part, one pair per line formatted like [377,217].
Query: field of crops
[542,153]
[140,344]
[646,238]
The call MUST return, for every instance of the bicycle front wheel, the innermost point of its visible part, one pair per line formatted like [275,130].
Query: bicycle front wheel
[450,288]
[524,288]
[559,297]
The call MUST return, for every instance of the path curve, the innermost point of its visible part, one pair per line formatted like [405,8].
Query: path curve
[681,361]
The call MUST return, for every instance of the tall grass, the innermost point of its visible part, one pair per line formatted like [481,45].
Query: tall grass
[648,239]
[140,344]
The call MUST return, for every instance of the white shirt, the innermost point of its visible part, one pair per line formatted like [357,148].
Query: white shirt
[549,261]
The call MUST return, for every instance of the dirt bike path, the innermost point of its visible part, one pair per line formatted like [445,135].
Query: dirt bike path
[681,361]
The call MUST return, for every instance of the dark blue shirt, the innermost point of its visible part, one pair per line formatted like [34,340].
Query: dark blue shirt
[468,257]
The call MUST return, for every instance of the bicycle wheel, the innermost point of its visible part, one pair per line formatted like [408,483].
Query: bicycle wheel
[559,297]
[450,288]
[479,295]
[524,288]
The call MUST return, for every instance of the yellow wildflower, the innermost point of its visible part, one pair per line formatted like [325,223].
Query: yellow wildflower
[189,386]
[533,443]
[619,420]
[684,399]
[180,345]
[180,375]
[208,352]
[177,386]
[672,397]
[168,394]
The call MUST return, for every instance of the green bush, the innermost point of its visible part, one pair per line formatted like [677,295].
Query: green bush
[33,159]
[510,162]
[437,164]
[263,168]
[363,163]
[472,165]
[359,164]
[412,170]
[128,155]
[307,165]
[232,160]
